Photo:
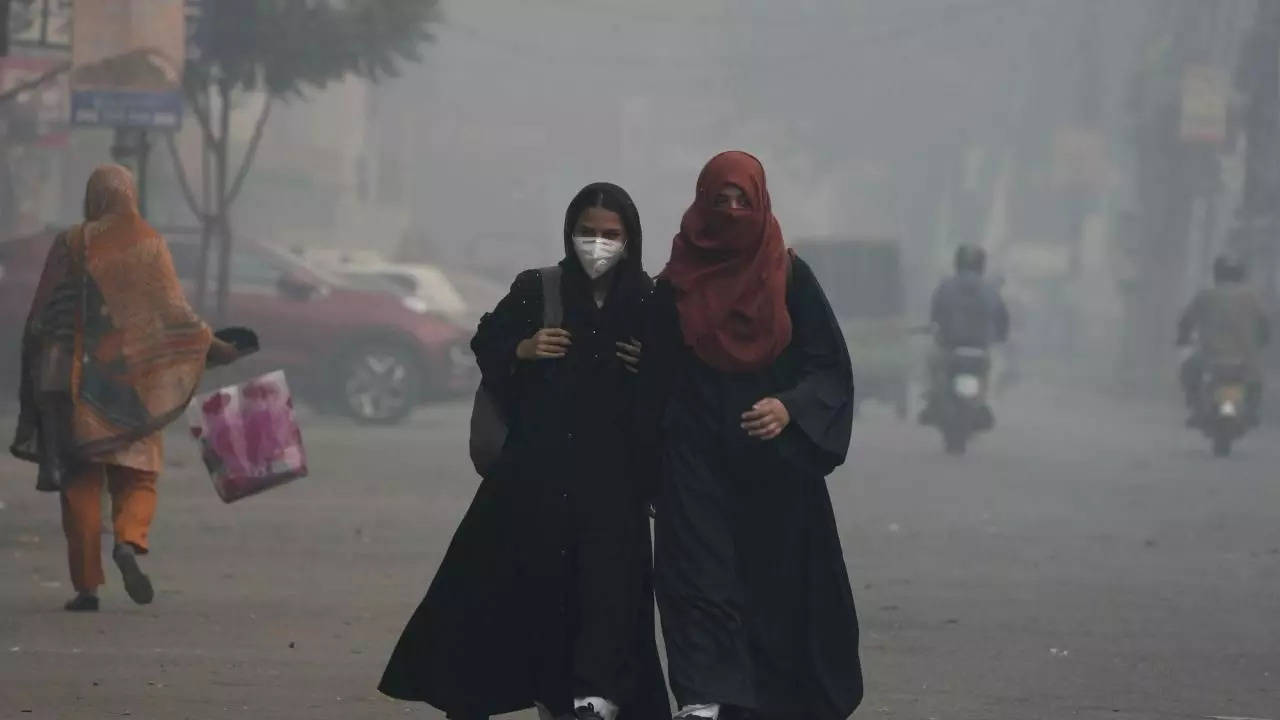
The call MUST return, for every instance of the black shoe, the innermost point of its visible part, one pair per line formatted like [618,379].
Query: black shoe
[82,603]
[136,582]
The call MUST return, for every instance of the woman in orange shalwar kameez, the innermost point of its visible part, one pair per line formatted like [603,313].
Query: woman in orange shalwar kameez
[111,354]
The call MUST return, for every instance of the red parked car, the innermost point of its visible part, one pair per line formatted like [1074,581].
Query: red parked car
[364,348]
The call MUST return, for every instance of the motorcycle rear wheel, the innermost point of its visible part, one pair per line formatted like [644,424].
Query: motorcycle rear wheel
[1221,445]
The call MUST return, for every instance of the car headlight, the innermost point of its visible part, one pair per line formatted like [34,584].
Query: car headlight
[415,304]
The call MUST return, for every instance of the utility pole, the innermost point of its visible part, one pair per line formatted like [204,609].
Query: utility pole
[1165,188]
[1082,195]
[133,147]
[1258,227]
[4,28]
[8,195]
[1258,79]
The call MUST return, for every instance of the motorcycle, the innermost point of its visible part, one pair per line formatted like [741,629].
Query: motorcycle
[1222,411]
[958,407]
[961,406]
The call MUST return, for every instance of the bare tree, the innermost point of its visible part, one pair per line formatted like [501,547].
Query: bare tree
[282,48]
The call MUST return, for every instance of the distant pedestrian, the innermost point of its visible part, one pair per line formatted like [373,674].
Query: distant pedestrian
[749,383]
[545,593]
[111,353]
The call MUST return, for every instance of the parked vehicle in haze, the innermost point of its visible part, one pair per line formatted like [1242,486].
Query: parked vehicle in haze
[863,279]
[458,294]
[364,348]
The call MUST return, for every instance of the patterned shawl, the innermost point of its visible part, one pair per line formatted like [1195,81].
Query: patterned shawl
[110,336]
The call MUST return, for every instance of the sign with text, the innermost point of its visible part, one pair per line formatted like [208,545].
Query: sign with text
[39,115]
[127,62]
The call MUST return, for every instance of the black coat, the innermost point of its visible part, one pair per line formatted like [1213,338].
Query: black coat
[545,591]
[756,606]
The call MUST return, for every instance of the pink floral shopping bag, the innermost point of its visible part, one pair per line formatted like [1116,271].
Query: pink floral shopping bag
[248,435]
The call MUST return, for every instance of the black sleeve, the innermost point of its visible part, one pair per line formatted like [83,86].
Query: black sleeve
[57,263]
[661,341]
[516,318]
[821,403]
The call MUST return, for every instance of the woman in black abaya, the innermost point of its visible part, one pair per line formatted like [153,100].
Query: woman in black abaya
[545,593]
[749,383]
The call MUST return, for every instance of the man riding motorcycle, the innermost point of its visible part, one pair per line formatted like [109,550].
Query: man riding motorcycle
[1230,328]
[966,311]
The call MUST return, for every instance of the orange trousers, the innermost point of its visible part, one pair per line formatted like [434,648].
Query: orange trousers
[133,505]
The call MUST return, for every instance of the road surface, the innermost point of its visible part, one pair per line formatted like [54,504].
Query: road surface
[1088,560]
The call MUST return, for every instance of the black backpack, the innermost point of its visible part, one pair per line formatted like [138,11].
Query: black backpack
[489,422]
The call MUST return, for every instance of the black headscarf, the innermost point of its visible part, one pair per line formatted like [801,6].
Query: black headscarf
[629,276]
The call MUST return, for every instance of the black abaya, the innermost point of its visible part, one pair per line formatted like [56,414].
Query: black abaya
[545,593]
[756,606]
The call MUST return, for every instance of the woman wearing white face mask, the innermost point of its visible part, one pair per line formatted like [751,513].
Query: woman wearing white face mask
[545,594]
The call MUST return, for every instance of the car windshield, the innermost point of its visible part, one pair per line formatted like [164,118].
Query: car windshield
[374,283]
[290,261]
[259,263]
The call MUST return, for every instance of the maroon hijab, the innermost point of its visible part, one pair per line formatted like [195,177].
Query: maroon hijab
[729,270]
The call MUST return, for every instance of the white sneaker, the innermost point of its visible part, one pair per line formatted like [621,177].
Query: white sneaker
[709,711]
[594,708]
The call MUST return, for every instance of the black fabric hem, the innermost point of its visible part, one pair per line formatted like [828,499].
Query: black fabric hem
[405,695]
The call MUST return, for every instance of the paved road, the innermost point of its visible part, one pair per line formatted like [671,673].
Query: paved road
[1089,560]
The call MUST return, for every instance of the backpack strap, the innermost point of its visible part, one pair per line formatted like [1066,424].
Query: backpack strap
[552,305]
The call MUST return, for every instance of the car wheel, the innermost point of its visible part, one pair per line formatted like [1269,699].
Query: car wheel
[379,384]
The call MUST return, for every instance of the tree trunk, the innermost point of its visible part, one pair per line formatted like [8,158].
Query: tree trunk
[4,28]
[223,223]
[207,214]
[8,195]
[1257,213]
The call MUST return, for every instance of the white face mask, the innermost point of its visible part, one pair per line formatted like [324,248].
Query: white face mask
[598,255]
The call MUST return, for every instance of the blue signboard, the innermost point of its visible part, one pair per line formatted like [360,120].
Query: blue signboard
[124,108]
[127,63]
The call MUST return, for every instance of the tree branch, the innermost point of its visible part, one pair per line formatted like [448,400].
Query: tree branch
[201,111]
[250,152]
[35,82]
[181,172]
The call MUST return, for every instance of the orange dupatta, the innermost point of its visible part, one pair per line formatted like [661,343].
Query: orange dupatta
[110,329]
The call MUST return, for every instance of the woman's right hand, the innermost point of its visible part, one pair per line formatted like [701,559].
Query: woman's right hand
[546,344]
